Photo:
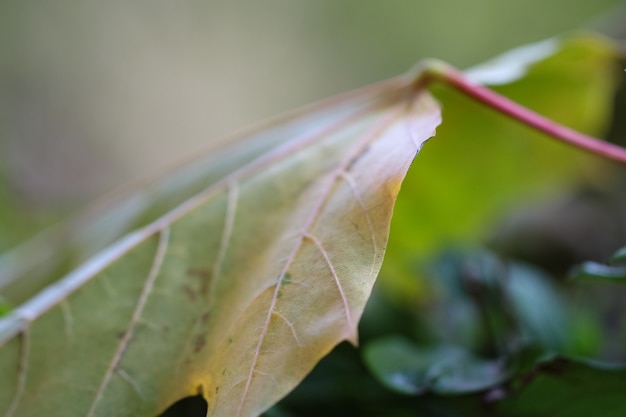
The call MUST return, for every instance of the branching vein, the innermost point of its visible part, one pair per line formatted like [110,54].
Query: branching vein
[22,369]
[342,293]
[334,176]
[355,191]
[229,222]
[53,294]
[143,298]
[68,320]
[131,381]
[290,325]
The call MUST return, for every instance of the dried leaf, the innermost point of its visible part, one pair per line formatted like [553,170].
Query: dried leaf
[235,291]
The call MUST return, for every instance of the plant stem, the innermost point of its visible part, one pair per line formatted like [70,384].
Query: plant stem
[434,70]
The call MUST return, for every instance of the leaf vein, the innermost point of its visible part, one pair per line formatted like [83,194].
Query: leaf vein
[68,320]
[334,176]
[143,298]
[290,325]
[229,222]
[53,294]
[333,272]
[366,213]
[22,369]
[131,381]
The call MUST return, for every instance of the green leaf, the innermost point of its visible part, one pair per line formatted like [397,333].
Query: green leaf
[567,388]
[594,271]
[409,369]
[483,164]
[619,256]
[539,308]
[484,303]
[233,291]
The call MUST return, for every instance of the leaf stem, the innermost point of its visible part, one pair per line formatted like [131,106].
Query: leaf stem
[435,70]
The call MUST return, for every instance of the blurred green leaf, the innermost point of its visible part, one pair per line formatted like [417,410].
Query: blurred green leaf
[488,304]
[406,368]
[483,163]
[539,308]
[595,271]
[469,280]
[567,388]
[619,256]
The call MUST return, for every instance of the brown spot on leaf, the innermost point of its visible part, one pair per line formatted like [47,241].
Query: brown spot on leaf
[189,292]
[199,343]
[203,276]
[120,335]
[205,317]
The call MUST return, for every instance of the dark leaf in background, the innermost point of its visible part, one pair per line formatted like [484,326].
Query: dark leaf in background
[406,368]
[538,307]
[567,388]
[595,271]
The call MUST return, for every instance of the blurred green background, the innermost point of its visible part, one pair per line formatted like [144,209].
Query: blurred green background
[94,94]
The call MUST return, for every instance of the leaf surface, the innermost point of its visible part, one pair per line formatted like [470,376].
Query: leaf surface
[234,291]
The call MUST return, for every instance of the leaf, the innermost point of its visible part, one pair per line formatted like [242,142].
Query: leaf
[483,164]
[594,271]
[233,291]
[564,387]
[30,267]
[539,308]
[444,369]
[488,304]
[619,256]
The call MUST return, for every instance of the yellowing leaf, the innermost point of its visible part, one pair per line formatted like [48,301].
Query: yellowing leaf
[233,291]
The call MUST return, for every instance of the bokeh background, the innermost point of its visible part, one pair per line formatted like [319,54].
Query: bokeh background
[94,94]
